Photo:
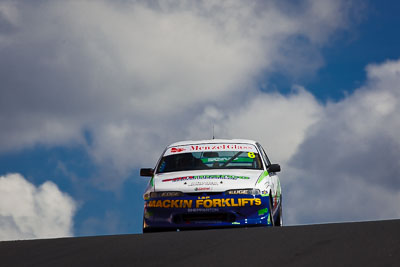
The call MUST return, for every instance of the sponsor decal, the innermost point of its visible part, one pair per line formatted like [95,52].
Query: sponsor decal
[204,203]
[202,188]
[177,150]
[222,147]
[223,160]
[214,159]
[200,177]
[170,203]
[212,147]
[201,183]
[203,210]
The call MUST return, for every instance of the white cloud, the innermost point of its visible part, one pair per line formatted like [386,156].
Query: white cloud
[27,211]
[348,167]
[137,75]
[278,122]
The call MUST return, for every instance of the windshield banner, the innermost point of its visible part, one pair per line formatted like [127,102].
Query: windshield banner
[210,147]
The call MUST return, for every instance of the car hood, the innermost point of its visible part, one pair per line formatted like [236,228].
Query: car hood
[207,180]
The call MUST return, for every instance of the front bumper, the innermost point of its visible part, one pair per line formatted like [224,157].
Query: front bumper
[206,211]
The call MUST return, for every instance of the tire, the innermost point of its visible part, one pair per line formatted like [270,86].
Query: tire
[270,211]
[146,230]
[279,220]
[154,230]
[158,230]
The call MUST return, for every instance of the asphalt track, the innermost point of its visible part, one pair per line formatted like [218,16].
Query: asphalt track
[342,244]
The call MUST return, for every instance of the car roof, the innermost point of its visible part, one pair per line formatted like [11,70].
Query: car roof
[213,141]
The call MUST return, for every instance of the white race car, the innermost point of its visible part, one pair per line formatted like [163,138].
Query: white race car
[210,184]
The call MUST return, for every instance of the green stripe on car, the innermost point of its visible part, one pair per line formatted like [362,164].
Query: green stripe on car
[262,176]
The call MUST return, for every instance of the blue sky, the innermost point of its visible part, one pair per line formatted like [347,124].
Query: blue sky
[371,40]
[92,91]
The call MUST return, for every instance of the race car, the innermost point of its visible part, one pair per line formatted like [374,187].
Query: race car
[212,184]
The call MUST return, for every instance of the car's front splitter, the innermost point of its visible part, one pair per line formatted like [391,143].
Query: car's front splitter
[206,211]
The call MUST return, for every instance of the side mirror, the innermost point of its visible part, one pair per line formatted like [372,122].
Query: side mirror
[274,168]
[146,172]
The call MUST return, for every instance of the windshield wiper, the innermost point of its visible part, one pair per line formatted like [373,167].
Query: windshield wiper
[232,159]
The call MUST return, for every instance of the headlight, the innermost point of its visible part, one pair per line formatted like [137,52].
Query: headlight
[251,191]
[166,194]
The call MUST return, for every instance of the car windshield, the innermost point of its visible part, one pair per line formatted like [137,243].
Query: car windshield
[206,160]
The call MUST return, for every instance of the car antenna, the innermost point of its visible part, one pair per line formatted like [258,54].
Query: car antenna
[213,132]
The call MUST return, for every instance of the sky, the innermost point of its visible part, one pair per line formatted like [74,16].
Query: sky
[91,91]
